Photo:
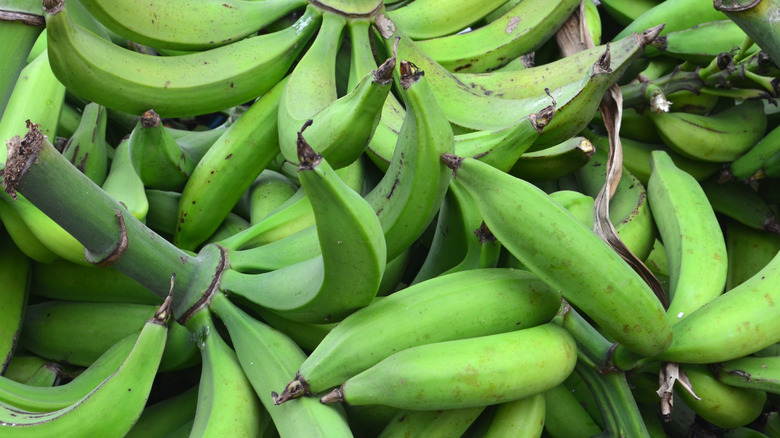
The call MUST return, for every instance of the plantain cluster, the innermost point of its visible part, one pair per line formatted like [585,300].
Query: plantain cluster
[423,218]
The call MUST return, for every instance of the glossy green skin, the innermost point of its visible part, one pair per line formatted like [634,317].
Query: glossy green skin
[468,372]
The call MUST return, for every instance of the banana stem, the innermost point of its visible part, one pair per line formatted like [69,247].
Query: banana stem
[616,402]
[110,234]
[592,348]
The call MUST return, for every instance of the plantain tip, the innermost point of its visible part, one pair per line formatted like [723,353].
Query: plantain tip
[295,389]
[335,396]
[150,119]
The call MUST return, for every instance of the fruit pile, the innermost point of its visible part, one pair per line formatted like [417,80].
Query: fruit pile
[429,218]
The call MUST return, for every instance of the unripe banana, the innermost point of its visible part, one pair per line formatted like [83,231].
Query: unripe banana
[565,417]
[694,243]
[720,137]
[461,305]
[341,130]
[37,96]
[159,161]
[749,167]
[188,25]
[227,404]
[465,373]
[722,405]
[80,332]
[733,325]
[15,278]
[87,147]
[181,85]
[675,14]
[741,202]
[533,227]
[124,184]
[113,406]
[522,28]
[269,191]
[19,33]
[312,85]
[522,418]
[461,241]
[63,280]
[555,161]
[435,18]
[409,194]
[320,290]
[162,418]
[268,358]
[749,250]
[433,424]
[700,44]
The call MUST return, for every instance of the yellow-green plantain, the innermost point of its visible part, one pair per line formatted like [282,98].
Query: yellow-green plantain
[188,24]
[341,130]
[749,166]
[175,86]
[293,215]
[534,228]
[531,82]
[268,358]
[40,399]
[762,373]
[156,157]
[565,416]
[227,170]
[700,44]
[742,203]
[521,29]
[320,289]
[124,184]
[626,11]
[87,147]
[737,323]
[19,32]
[311,86]
[160,419]
[675,14]
[719,137]
[466,372]
[113,406]
[434,424]
[37,96]
[227,404]
[722,405]
[522,418]
[80,332]
[461,240]
[555,161]
[692,237]
[749,250]
[433,18]
[268,191]
[15,278]
[461,305]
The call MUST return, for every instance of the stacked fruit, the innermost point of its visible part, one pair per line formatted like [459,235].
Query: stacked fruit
[403,218]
